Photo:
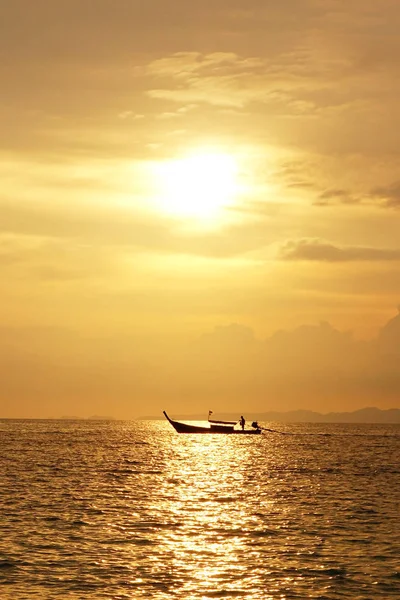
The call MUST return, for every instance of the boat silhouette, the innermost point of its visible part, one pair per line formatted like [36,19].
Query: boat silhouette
[215,427]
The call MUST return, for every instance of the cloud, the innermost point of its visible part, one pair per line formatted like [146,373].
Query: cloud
[122,229]
[312,366]
[28,257]
[320,251]
[71,71]
[384,196]
[231,80]
[388,195]
[336,196]
[191,77]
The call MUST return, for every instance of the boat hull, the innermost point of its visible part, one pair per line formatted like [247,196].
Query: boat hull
[213,429]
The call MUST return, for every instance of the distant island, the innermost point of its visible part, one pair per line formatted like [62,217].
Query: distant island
[363,415]
[92,418]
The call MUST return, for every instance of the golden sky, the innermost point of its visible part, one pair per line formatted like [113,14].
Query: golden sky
[199,206]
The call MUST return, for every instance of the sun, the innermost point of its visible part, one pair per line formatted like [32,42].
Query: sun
[199,185]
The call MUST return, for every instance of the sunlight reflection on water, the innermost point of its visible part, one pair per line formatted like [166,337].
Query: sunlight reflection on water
[134,510]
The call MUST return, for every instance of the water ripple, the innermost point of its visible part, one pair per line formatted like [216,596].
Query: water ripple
[122,510]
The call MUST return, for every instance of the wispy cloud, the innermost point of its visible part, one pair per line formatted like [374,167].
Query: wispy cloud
[383,196]
[319,250]
[124,228]
[231,80]
[336,196]
[388,195]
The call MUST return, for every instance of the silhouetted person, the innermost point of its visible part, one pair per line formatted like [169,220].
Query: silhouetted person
[242,422]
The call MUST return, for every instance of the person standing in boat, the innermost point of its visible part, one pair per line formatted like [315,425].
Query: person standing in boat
[242,422]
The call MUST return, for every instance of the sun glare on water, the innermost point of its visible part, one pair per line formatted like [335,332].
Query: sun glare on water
[198,186]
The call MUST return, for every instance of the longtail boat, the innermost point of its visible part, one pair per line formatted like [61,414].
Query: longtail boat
[214,427]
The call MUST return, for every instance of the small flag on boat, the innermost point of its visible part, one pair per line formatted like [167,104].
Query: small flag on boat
[210,412]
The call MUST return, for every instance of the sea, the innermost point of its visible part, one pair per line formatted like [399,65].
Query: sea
[124,510]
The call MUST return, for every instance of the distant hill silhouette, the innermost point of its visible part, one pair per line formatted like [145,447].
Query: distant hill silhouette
[92,418]
[70,418]
[363,415]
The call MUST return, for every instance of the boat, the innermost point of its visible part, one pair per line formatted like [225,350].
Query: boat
[214,427]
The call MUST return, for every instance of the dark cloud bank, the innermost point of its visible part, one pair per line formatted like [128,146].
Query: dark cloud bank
[314,368]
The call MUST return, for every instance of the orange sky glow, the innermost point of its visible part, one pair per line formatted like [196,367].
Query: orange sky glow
[200,206]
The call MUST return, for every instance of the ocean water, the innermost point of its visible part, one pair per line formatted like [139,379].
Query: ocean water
[129,510]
